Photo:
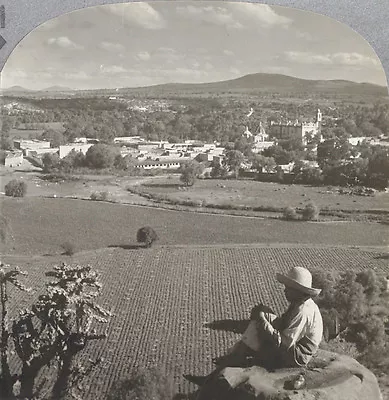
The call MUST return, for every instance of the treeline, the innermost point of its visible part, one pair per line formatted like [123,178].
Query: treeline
[207,119]
[98,157]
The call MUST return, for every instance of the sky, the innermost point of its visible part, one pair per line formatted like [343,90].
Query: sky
[142,44]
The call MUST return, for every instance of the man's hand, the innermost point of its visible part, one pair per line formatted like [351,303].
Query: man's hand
[261,317]
[259,311]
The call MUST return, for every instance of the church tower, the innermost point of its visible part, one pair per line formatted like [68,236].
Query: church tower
[318,116]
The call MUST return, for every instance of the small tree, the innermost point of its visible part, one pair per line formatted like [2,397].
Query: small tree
[311,212]
[218,171]
[68,248]
[190,170]
[50,162]
[261,163]
[290,214]
[147,236]
[16,188]
[100,156]
[233,161]
[58,327]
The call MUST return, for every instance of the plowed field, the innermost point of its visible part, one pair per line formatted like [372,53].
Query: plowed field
[163,298]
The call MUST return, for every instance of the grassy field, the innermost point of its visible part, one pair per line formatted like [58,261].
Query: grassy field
[42,225]
[177,307]
[253,193]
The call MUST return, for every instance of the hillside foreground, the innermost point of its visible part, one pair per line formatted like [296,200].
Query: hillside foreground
[178,307]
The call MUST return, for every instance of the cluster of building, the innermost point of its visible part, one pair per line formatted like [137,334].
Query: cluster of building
[299,129]
[165,155]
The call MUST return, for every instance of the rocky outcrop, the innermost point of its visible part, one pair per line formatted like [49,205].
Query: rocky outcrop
[329,376]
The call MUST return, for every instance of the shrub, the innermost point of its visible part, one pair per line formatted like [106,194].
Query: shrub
[144,384]
[15,188]
[99,196]
[290,214]
[355,306]
[310,212]
[68,248]
[146,235]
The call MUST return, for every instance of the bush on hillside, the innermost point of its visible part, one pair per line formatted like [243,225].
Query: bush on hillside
[147,236]
[358,302]
[16,188]
[290,214]
[99,196]
[311,212]
[145,384]
[68,248]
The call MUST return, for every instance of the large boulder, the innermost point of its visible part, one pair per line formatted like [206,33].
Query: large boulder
[329,376]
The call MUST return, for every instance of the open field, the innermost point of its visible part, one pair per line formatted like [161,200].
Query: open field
[253,194]
[164,297]
[42,225]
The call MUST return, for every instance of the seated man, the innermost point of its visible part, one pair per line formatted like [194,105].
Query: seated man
[275,342]
[287,341]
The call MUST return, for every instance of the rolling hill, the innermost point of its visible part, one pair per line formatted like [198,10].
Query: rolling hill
[269,83]
[254,84]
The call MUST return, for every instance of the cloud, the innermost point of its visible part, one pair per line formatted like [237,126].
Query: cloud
[17,73]
[63,42]
[211,14]
[235,71]
[112,69]
[141,14]
[114,47]
[76,75]
[143,56]
[235,15]
[262,14]
[228,53]
[341,59]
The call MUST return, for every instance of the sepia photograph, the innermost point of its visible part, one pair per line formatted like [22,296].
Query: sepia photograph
[194,205]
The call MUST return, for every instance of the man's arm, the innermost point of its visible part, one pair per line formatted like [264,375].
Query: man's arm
[289,335]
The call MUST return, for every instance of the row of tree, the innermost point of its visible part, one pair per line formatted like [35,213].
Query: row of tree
[223,120]
[99,156]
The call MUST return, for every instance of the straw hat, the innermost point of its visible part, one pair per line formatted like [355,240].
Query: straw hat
[299,278]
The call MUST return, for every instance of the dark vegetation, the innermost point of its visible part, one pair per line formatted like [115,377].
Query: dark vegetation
[146,235]
[69,248]
[359,301]
[50,333]
[15,188]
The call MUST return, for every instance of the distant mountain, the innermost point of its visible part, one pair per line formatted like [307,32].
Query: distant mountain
[270,83]
[15,89]
[56,89]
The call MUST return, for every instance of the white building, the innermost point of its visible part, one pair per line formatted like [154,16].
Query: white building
[152,164]
[27,145]
[13,158]
[128,139]
[67,148]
